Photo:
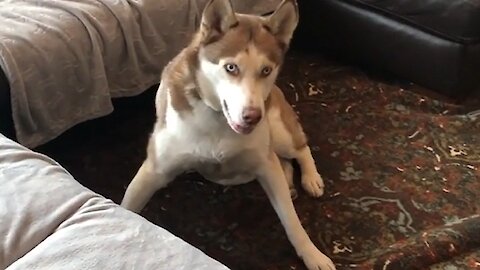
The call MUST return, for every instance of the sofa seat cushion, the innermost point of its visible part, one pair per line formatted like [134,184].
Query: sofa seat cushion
[50,221]
[456,20]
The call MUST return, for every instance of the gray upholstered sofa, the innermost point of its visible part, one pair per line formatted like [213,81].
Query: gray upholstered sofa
[49,221]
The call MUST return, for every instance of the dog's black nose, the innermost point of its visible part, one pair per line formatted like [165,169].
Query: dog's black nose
[251,115]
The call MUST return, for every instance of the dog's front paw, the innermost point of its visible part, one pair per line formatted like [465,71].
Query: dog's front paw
[313,184]
[316,260]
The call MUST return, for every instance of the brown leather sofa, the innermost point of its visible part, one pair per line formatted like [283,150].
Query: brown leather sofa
[435,43]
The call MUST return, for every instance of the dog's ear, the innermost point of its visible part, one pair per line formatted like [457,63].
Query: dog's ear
[283,21]
[218,16]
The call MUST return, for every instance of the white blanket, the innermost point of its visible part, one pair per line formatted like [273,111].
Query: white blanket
[49,221]
[66,59]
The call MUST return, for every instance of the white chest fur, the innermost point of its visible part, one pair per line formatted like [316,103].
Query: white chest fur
[201,140]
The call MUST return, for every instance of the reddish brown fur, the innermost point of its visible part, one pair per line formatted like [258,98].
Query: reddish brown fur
[176,77]
[288,116]
[180,73]
[249,30]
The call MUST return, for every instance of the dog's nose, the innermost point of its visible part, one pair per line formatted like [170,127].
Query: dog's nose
[251,115]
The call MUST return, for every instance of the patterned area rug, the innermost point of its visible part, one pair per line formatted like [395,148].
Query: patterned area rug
[401,170]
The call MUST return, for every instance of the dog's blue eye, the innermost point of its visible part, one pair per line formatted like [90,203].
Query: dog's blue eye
[266,71]
[231,69]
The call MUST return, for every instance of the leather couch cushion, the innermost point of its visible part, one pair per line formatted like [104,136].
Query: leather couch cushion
[456,20]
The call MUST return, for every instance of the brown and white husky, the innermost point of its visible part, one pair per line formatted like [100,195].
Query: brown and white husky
[220,113]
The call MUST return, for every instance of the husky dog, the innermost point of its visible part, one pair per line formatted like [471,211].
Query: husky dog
[219,113]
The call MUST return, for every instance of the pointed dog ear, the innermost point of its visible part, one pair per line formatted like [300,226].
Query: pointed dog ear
[218,17]
[283,21]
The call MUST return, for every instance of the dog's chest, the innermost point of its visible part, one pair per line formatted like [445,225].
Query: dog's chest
[206,143]
[225,160]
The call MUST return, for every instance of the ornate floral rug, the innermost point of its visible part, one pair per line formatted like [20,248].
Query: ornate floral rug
[401,170]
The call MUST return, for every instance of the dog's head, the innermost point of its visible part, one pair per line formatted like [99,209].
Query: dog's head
[240,56]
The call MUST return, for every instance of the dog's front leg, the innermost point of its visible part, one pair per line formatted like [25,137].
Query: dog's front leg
[145,183]
[272,179]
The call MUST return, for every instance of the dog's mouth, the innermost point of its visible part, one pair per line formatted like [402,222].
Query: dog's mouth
[237,127]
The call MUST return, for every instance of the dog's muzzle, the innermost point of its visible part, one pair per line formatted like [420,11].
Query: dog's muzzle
[250,117]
